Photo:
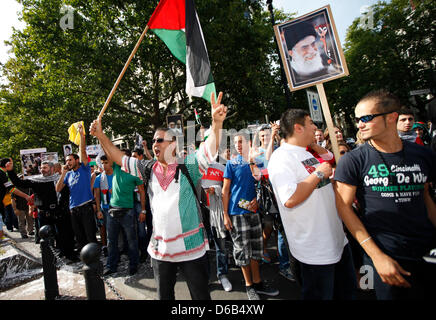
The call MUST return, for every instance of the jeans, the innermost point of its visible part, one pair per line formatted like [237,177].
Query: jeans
[327,282]
[221,254]
[143,234]
[11,219]
[422,281]
[114,226]
[25,221]
[283,252]
[195,272]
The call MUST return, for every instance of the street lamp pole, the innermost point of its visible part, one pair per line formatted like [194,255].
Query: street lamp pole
[283,75]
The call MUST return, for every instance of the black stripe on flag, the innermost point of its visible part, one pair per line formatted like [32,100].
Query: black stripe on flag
[196,52]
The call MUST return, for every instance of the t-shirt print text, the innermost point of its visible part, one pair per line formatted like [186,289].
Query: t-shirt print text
[74,179]
[406,181]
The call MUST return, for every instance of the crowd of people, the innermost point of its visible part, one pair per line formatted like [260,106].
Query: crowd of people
[372,207]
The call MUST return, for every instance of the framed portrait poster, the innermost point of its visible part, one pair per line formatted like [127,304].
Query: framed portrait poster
[67,150]
[31,161]
[310,49]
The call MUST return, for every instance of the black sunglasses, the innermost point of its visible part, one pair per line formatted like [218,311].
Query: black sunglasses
[159,140]
[369,117]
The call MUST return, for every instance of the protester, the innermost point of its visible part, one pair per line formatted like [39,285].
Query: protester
[241,217]
[266,135]
[103,194]
[319,137]
[212,183]
[121,215]
[21,209]
[422,132]
[66,240]
[6,190]
[406,119]
[179,240]
[328,143]
[47,206]
[76,175]
[307,208]
[343,148]
[390,178]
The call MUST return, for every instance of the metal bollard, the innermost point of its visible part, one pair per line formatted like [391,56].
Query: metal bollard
[48,263]
[92,271]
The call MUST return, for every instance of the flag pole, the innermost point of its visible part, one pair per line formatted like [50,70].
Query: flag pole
[122,72]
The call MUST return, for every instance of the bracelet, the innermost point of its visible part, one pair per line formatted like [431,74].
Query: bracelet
[252,163]
[365,240]
[143,211]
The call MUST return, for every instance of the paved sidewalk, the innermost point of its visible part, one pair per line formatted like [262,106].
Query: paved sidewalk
[140,286]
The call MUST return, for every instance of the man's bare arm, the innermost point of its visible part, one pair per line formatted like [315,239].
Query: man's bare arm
[219,112]
[83,155]
[226,197]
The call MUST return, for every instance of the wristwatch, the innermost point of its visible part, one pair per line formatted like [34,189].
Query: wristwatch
[319,174]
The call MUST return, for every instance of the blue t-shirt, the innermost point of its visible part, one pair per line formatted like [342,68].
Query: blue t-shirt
[105,195]
[79,182]
[261,161]
[242,186]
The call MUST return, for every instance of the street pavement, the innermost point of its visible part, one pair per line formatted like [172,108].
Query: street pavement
[29,284]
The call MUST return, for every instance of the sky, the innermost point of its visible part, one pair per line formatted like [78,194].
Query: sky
[344,12]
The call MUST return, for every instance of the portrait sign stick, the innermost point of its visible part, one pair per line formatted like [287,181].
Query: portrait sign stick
[126,65]
[328,120]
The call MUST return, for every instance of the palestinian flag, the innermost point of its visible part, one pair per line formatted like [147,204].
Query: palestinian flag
[197,116]
[177,24]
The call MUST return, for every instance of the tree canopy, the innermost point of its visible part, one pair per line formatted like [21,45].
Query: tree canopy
[60,76]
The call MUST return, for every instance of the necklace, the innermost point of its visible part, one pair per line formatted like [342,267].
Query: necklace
[384,160]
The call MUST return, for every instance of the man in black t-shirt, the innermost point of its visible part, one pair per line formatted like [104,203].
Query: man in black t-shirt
[390,179]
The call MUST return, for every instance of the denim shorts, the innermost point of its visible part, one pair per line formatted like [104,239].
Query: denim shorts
[247,238]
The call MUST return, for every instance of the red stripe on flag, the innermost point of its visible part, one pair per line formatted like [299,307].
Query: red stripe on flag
[169,14]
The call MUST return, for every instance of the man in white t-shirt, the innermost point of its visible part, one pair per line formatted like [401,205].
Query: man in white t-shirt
[307,207]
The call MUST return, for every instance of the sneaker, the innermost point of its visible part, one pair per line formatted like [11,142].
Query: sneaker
[225,282]
[251,293]
[24,236]
[133,271]
[287,273]
[31,233]
[265,289]
[431,256]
